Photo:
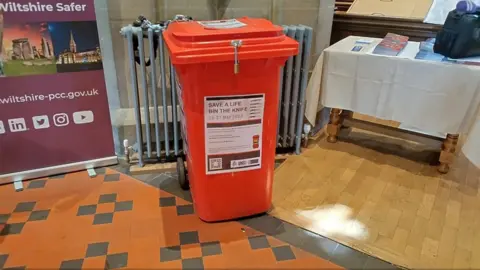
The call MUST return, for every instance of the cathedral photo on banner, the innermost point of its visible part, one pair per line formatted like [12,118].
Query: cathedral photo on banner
[76,46]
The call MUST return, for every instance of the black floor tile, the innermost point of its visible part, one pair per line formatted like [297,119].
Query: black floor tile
[72,265]
[86,210]
[121,168]
[37,184]
[3,260]
[4,218]
[291,234]
[167,182]
[348,257]
[97,249]
[100,171]
[183,210]
[105,218]
[258,242]
[167,202]
[170,254]
[116,261]
[112,177]
[39,215]
[187,238]
[24,207]
[377,264]
[264,223]
[123,206]
[196,263]
[283,253]
[107,198]
[211,249]
[58,176]
[10,229]
[319,245]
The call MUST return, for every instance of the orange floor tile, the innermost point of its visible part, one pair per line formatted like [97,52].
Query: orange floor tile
[114,221]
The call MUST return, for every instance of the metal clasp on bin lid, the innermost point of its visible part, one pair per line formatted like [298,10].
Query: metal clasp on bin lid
[182,18]
[236,65]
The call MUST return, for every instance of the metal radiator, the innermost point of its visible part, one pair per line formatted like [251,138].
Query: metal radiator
[293,85]
[153,88]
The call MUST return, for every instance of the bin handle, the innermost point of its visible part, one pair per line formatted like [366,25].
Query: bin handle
[226,56]
[236,64]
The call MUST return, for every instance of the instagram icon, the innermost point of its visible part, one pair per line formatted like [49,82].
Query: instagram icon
[60,119]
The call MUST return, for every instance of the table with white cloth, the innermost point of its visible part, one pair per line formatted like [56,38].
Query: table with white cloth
[430,97]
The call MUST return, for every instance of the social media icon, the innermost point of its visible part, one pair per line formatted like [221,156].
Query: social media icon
[17,124]
[40,122]
[83,117]
[2,128]
[60,119]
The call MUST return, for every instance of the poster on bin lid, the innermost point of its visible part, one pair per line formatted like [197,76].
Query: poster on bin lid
[233,133]
[53,100]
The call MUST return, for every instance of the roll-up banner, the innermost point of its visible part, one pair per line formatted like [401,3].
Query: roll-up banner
[54,115]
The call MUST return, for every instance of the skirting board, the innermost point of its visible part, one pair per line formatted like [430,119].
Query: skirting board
[153,168]
[71,167]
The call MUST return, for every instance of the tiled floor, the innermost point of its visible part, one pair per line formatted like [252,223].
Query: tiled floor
[396,205]
[115,221]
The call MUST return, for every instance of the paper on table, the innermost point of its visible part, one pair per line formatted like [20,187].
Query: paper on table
[410,50]
[439,11]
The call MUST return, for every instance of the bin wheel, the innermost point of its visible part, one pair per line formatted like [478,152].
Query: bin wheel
[182,174]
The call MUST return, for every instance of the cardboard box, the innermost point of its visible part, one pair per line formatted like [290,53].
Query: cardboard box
[409,9]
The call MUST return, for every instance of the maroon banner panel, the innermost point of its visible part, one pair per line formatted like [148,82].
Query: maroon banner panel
[53,98]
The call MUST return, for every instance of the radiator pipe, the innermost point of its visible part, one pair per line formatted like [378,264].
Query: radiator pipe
[138,119]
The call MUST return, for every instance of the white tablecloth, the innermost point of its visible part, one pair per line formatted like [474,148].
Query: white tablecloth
[432,97]
[471,148]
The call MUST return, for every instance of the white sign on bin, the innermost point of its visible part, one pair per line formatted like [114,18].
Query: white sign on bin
[222,24]
[233,133]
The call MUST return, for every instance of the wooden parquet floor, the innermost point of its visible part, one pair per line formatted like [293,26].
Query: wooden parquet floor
[414,217]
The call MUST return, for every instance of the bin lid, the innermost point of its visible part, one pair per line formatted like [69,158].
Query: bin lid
[211,41]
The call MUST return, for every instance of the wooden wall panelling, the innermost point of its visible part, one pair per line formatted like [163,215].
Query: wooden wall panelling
[345,25]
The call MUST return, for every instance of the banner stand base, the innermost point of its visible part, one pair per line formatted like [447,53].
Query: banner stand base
[60,169]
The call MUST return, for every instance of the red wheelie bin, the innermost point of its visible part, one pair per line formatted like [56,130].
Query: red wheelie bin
[228,89]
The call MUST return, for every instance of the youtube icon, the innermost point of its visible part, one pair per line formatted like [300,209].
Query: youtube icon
[83,117]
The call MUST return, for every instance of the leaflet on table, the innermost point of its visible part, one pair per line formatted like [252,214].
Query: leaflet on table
[362,45]
[233,133]
[391,45]
[426,51]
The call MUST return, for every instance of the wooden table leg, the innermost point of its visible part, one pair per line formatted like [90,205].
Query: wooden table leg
[334,125]
[448,152]
[345,115]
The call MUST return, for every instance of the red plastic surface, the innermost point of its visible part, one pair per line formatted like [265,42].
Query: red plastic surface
[190,42]
[239,194]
